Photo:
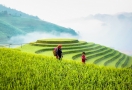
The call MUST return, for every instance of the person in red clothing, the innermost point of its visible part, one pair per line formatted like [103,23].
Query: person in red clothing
[83,57]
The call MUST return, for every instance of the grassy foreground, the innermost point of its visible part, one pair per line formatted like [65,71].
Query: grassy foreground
[27,71]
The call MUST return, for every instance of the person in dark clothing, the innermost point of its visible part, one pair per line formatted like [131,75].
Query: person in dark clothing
[59,52]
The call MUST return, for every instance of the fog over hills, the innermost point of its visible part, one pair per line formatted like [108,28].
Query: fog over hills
[114,31]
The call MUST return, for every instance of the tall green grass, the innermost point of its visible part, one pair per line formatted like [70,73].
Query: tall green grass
[26,71]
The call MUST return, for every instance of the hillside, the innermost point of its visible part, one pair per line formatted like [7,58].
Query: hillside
[24,71]
[73,48]
[13,22]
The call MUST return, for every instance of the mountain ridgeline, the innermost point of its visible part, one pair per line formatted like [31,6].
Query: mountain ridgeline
[13,22]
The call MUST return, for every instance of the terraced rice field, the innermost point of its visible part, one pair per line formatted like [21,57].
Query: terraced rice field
[73,48]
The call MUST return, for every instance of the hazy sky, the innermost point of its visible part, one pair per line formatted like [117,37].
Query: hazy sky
[107,22]
[59,10]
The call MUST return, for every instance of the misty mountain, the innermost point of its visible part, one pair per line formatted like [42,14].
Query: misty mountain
[13,23]
[110,30]
[119,27]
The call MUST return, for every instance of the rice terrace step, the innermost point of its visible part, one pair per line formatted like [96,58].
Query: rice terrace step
[73,48]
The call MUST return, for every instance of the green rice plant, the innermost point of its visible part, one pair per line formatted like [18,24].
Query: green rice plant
[76,50]
[28,71]
[57,41]
[120,65]
[112,59]
[65,48]
[91,58]
[104,57]
[54,45]
[121,59]
[89,51]
[126,62]
[101,52]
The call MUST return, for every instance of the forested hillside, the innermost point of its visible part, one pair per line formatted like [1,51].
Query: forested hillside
[13,22]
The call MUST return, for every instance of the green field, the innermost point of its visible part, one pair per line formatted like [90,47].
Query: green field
[28,71]
[73,48]
[32,67]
